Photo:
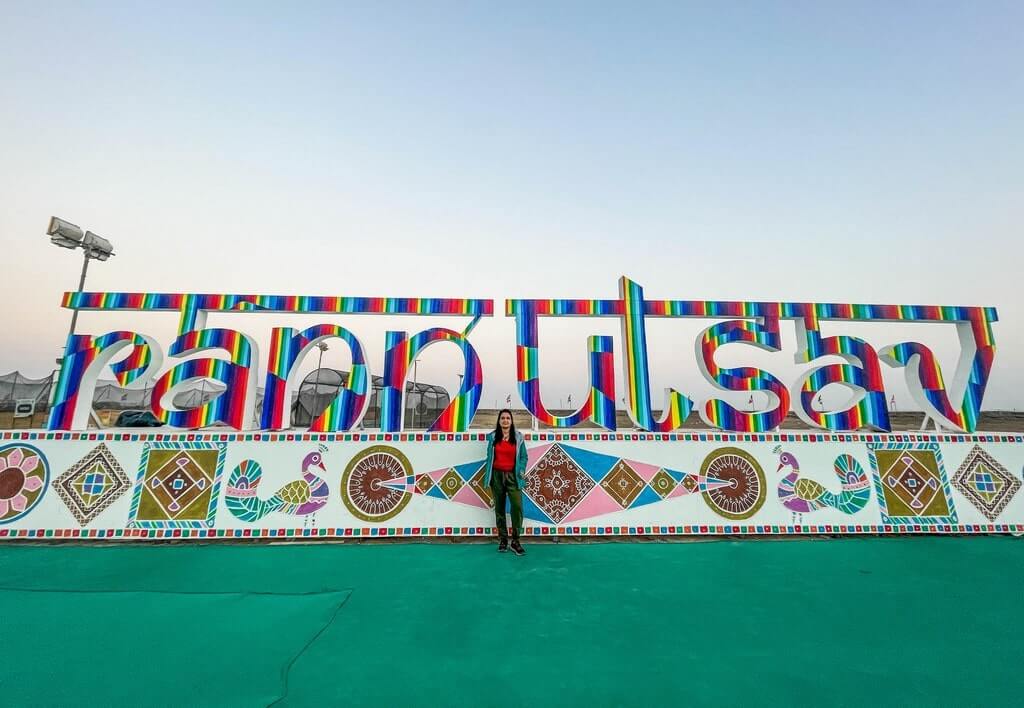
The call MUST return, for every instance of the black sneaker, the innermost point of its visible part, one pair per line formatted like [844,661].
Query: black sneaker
[502,545]
[517,547]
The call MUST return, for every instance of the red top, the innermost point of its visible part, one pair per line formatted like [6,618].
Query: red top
[504,456]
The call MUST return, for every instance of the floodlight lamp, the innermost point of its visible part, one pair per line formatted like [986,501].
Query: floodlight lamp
[63,229]
[98,247]
[63,242]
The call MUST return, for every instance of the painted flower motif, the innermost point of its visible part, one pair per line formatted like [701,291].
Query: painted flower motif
[556,482]
[23,474]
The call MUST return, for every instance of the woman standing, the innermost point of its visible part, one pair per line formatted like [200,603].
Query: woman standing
[506,464]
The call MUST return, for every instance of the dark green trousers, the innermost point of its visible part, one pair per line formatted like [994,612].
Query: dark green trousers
[503,486]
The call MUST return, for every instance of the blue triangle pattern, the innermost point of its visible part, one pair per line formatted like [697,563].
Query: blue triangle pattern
[595,464]
[532,512]
[677,476]
[647,496]
[467,469]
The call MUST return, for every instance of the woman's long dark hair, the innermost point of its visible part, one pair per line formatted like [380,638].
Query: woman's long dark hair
[511,431]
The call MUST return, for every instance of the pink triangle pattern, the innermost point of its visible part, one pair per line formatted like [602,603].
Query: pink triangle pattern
[467,496]
[534,454]
[597,502]
[643,470]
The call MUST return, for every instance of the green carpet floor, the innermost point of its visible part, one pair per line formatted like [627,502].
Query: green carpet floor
[881,622]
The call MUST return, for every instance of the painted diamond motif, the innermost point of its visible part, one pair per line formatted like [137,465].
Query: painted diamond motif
[451,483]
[914,485]
[690,483]
[556,484]
[177,485]
[424,483]
[92,484]
[985,483]
[663,484]
[911,484]
[623,484]
[476,482]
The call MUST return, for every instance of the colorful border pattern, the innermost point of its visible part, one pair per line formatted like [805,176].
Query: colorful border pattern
[553,436]
[490,531]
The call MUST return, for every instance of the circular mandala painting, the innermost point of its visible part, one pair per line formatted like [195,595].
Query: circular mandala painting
[24,474]
[362,487]
[734,485]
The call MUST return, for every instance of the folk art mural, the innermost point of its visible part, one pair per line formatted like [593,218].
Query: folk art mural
[121,485]
[953,404]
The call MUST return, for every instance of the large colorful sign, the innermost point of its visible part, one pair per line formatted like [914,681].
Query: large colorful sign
[131,485]
[835,359]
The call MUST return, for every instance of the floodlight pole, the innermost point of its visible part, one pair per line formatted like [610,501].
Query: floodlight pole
[415,371]
[67,235]
[81,287]
[322,346]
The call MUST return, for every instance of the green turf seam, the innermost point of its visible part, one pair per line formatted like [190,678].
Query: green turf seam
[286,670]
[286,673]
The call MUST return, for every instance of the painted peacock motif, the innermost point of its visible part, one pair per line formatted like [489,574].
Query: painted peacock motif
[801,495]
[299,498]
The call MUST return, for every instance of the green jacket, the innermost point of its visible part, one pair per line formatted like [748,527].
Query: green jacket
[520,459]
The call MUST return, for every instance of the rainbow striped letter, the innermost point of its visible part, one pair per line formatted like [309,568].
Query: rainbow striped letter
[84,359]
[400,352]
[287,350]
[719,413]
[861,372]
[637,374]
[924,375]
[599,406]
[234,406]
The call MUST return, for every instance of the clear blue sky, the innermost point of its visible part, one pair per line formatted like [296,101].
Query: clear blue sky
[857,152]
